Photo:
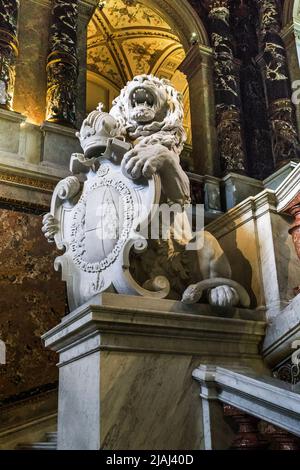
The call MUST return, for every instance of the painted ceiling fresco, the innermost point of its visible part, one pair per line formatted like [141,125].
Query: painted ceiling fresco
[127,38]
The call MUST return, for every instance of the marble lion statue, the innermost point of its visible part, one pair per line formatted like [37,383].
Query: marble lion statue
[149,116]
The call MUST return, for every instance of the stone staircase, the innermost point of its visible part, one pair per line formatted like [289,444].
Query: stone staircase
[50,443]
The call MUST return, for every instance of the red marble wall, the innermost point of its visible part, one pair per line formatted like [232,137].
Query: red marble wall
[32,300]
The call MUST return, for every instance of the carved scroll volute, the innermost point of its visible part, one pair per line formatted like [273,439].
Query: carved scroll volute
[64,198]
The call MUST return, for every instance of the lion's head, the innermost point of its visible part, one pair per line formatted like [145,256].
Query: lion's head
[150,110]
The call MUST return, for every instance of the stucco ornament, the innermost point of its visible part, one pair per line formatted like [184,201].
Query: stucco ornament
[101,215]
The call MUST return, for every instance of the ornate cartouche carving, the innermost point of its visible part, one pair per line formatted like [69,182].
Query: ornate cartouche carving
[131,164]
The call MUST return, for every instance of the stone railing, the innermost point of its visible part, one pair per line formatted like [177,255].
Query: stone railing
[265,411]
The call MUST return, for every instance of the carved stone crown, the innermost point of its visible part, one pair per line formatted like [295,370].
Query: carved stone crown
[95,132]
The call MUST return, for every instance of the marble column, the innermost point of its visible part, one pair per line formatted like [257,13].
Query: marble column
[228,114]
[8,50]
[285,140]
[198,69]
[85,13]
[62,64]
[257,134]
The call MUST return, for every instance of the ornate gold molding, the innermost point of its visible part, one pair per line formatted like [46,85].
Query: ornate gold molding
[33,183]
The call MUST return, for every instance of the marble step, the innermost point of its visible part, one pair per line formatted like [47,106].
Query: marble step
[51,437]
[37,446]
[50,443]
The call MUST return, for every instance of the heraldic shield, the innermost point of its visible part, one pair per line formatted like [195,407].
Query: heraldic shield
[98,223]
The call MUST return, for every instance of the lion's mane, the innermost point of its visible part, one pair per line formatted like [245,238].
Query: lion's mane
[169,132]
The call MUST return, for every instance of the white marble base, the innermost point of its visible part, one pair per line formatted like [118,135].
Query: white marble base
[260,250]
[271,400]
[56,136]
[237,188]
[125,379]
[282,332]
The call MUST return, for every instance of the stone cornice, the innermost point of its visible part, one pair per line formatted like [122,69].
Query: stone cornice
[12,116]
[26,182]
[192,63]
[288,190]
[113,322]
[40,175]
[44,3]
[255,206]
[26,189]
[250,209]
[86,9]
[197,57]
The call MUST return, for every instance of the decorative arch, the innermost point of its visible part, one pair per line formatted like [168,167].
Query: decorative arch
[130,37]
[179,13]
[184,19]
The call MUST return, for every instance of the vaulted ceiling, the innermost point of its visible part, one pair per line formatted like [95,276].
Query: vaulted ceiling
[127,38]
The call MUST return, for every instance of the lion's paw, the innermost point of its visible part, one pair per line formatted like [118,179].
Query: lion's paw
[223,296]
[50,227]
[146,160]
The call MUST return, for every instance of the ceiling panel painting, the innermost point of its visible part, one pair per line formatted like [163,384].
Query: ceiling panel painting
[127,38]
[143,53]
[125,14]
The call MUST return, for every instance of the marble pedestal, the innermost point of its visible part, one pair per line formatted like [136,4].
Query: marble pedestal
[125,370]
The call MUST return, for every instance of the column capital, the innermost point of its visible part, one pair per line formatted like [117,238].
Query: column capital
[86,9]
[196,58]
